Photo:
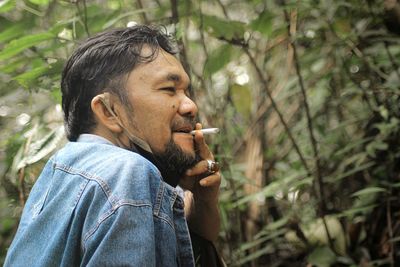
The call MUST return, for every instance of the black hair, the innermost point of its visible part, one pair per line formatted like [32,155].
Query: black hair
[100,65]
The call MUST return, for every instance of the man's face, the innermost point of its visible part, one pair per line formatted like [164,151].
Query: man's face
[163,114]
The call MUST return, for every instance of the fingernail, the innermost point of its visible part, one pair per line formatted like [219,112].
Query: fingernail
[188,172]
[203,183]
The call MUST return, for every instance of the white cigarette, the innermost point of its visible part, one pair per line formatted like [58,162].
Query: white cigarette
[206,131]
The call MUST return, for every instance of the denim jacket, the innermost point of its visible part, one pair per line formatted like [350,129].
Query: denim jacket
[96,204]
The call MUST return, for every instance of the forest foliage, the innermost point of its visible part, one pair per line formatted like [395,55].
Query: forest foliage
[306,94]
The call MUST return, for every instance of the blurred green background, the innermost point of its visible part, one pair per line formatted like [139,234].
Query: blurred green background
[306,94]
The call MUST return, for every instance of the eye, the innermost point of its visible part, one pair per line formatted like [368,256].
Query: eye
[169,89]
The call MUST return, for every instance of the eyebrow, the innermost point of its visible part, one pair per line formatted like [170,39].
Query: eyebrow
[177,78]
[173,77]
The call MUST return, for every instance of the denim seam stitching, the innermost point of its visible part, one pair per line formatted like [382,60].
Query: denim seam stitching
[173,198]
[160,194]
[105,216]
[80,193]
[165,220]
[103,185]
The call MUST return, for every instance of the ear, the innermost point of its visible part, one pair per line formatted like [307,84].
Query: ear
[104,113]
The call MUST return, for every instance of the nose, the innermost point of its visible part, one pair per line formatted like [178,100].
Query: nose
[187,107]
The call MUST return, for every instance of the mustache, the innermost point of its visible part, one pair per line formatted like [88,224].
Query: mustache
[184,122]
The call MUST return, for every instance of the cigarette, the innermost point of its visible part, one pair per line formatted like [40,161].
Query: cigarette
[206,131]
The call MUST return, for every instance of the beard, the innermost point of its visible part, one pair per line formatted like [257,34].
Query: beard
[173,162]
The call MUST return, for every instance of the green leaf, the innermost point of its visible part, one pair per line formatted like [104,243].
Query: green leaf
[273,188]
[342,27]
[6,5]
[374,146]
[350,172]
[241,97]
[27,78]
[357,210]
[12,66]
[368,190]
[18,45]
[41,148]
[220,28]
[218,59]
[263,23]
[12,32]
[40,2]
[261,239]
[266,249]
[6,225]
[322,257]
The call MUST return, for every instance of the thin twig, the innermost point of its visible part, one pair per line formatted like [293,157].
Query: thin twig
[358,53]
[223,9]
[84,17]
[276,108]
[181,45]
[308,113]
[21,187]
[322,197]
[203,43]
[143,13]
[364,93]
[158,3]
[392,60]
[390,231]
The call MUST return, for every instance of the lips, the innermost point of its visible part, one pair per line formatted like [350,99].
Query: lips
[183,129]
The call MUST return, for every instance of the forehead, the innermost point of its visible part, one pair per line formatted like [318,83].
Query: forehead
[164,67]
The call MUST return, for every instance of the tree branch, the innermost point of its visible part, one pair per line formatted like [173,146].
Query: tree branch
[308,113]
[321,196]
[392,60]
[21,186]
[143,14]
[84,17]
[223,9]
[181,45]
[276,108]
[390,231]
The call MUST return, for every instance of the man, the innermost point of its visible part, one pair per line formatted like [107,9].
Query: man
[108,198]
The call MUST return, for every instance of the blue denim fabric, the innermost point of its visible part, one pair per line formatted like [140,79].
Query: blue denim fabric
[96,204]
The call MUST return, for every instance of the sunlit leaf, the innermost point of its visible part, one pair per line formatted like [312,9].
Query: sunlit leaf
[12,32]
[263,23]
[241,97]
[358,210]
[41,148]
[18,45]
[40,2]
[26,78]
[350,172]
[342,27]
[7,5]
[322,257]
[369,190]
[221,28]
[31,76]
[218,59]
[266,249]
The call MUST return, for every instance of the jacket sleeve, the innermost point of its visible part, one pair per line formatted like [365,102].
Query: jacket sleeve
[122,237]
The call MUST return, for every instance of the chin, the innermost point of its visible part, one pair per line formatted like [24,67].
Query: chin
[190,153]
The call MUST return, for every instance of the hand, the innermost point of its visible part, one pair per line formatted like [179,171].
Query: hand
[203,185]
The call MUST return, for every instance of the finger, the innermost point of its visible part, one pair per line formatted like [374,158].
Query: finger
[200,168]
[201,144]
[212,180]
[187,183]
